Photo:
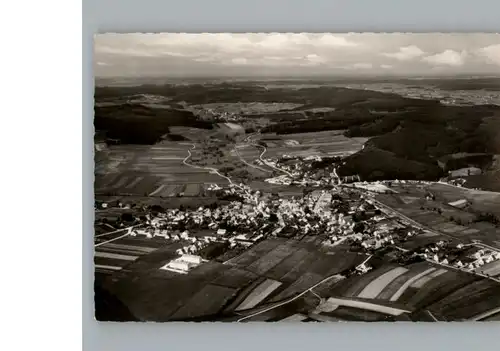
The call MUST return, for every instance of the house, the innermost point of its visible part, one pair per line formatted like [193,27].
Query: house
[363,268]
[144,232]
[221,232]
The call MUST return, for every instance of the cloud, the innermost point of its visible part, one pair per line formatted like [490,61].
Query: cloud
[278,40]
[123,51]
[204,59]
[358,66]
[239,61]
[331,40]
[405,53]
[174,43]
[362,65]
[491,53]
[315,59]
[447,58]
[179,54]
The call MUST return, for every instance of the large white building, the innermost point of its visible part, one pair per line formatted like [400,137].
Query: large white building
[193,259]
[183,264]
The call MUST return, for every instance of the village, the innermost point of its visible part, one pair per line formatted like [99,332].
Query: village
[337,213]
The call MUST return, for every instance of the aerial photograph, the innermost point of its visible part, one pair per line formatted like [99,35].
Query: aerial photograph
[296,177]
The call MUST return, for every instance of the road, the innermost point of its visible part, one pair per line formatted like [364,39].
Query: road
[321,300]
[335,174]
[341,240]
[209,169]
[268,164]
[432,316]
[485,314]
[116,231]
[289,300]
[464,189]
[462,270]
[485,246]
[245,162]
[435,232]
[184,161]
[411,221]
[419,225]
[111,240]
[453,267]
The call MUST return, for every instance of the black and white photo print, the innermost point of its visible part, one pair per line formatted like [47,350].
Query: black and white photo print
[296,177]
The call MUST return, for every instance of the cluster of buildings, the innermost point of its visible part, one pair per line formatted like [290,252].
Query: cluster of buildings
[280,180]
[483,257]
[373,232]
[192,244]
[301,173]
[467,257]
[255,217]
[217,116]
[337,214]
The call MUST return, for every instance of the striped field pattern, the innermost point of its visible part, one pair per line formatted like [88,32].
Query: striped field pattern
[116,255]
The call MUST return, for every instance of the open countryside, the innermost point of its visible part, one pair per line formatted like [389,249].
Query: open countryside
[297,200]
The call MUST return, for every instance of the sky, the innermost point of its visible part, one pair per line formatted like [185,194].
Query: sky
[294,54]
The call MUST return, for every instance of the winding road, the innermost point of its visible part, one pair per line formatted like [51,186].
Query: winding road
[269,165]
[245,162]
[209,169]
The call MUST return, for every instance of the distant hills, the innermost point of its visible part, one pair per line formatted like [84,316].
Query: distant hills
[408,136]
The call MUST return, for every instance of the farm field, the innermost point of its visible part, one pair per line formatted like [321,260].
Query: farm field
[434,286]
[353,286]
[245,282]
[119,254]
[469,302]
[375,287]
[483,201]
[363,305]
[491,269]
[398,286]
[140,169]
[188,184]
[251,282]
[199,305]
[444,223]
[148,293]
[259,294]
[328,143]
[359,315]
[165,202]
[418,286]
[247,107]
